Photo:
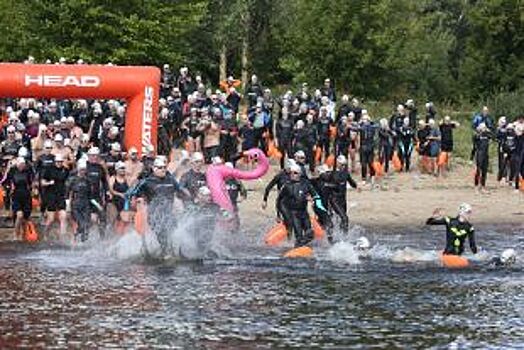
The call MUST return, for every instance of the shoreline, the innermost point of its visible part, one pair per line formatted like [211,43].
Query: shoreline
[405,201]
[401,203]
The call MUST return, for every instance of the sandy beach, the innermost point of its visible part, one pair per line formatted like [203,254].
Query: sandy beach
[405,200]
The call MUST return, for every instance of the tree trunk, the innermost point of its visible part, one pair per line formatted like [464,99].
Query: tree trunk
[246,19]
[245,60]
[222,74]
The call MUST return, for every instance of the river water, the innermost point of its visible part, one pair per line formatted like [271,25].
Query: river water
[107,296]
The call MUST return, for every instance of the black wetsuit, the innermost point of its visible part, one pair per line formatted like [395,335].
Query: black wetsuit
[481,154]
[422,137]
[295,196]
[510,154]
[122,188]
[192,181]
[503,157]
[456,234]
[159,193]
[80,191]
[324,141]
[387,141]
[406,138]
[43,163]
[284,134]
[20,181]
[324,216]
[446,132]
[57,192]
[517,161]
[280,180]
[228,138]
[367,145]
[342,140]
[97,177]
[336,187]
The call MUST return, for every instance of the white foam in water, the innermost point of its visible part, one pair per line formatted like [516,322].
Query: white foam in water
[411,255]
[190,238]
[343,252]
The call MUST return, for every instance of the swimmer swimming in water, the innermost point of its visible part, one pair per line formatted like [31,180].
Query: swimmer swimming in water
[457,230]
[507,258]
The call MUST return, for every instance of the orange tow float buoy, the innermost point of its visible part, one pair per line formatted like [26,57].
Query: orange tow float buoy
[397,164]
[453,261]
[276,235]
[442,159]
[2,196]
[318,231]
[330,161]
[141,220]
[30,232]
[378,167]
[300,252]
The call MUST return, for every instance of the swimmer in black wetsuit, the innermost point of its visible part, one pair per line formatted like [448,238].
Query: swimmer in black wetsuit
[506,259]
[337,187]
[280,180]
[80,192]
[159,190]
[195,177]
[296,193]
[54,180]
[481,155]
[20,180]
[457,230]
[320,184]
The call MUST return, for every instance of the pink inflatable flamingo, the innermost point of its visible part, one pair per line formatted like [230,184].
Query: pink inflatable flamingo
[216,175]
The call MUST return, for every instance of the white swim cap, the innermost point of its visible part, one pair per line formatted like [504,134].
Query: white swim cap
[159,162]
[341,159]
[300,154]
[295,168]
[116,147]
[197,157]
[362,243]
[290,163]
[59,138]
[120,165]
[465,209]
[82,164]
[230,165]
[508,256]
[204,191]
[23,152]
[93,151]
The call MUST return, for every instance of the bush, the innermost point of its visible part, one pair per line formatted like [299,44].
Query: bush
[510,104]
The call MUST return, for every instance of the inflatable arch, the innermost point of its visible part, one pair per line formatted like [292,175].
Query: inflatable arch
[138,85]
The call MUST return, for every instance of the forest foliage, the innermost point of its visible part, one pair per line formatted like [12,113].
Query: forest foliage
[443,50]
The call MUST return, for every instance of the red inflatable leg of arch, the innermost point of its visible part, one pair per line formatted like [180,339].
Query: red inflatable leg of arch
[138,85]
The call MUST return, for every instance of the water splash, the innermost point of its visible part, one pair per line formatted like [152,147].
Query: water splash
[343,252]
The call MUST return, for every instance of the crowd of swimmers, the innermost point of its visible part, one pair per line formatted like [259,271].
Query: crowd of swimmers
[67,155]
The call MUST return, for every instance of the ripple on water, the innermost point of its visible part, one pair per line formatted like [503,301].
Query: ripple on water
[64,299]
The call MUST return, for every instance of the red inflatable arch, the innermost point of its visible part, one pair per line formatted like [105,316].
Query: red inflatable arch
[138,85]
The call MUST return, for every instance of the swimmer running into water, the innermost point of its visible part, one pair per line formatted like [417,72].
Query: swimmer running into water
[457,230]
